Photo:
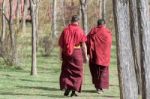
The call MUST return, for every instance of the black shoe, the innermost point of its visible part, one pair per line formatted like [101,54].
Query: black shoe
[66,93]
[73,94]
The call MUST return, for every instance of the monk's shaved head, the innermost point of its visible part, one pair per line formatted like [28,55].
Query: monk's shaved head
[100,21]
[75,18]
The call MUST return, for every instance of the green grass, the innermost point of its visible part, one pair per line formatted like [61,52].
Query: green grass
[16,83]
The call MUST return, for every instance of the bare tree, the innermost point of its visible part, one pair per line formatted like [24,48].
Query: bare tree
[83,4]
[12,35]
[26,3]
[50,41]
[8,45]
[54,19]
[127,77]
[34,14]
[18,12]
[3,32]
[63,12]
[144,29]
[3,22]
[135,38]
[102,8]
[53,34]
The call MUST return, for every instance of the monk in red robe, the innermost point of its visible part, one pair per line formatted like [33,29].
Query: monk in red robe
[73,50]
[99,42]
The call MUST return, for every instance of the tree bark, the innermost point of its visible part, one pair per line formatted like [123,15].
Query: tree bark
[54,19]
[12,36]
[34,14]
[63,12]
[102,9]
[3,22]
[18,12]
[24,16]
[83,4]
[144,29]
[135,38]
[54,25]
[37,22]
[126,72]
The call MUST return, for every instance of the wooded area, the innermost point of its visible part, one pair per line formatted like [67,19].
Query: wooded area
[35,25]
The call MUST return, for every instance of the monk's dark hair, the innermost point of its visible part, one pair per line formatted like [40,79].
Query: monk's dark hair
[75,18]
[100,22]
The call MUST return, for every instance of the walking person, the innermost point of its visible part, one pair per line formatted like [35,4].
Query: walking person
[74,52]
[99,42]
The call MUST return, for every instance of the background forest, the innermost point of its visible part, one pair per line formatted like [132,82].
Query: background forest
[29,33]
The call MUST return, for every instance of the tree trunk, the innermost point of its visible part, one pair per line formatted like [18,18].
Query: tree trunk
[144,29]
[127,77]
[102,9]
[54,25]
[12,36]
[34,14]
[83,4]
[54,19]
[63,12]
[24,16]
[37,22]
[18,12]
[3,22]
[135,38]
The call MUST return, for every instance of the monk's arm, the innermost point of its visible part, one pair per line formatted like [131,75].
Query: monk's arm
[84,49]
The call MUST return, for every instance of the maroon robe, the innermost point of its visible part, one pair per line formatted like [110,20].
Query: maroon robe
[72,66]
[99,48]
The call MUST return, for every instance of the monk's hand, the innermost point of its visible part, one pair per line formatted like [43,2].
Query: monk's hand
[84,51]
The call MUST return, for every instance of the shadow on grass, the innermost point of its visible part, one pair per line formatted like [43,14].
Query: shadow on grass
[94,91]
[28,80]
[41,81]
[28,94]
[50,71]
[114,85]
[39,88]
[89,91]
[7,75]
[110,96]
[24,94]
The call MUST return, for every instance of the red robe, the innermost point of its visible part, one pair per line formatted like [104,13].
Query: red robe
[72,66]
[99,48]
[99,45]
[71,36]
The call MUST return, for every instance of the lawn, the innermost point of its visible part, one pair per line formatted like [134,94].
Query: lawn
[16,83]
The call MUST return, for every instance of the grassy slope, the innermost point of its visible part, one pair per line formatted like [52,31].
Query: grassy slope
[18,84]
